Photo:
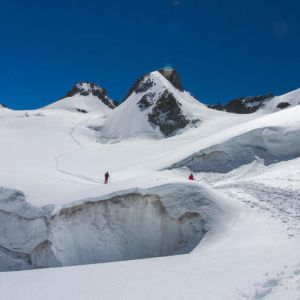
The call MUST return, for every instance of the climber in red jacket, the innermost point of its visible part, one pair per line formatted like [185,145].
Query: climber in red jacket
[106,176]
[191,177]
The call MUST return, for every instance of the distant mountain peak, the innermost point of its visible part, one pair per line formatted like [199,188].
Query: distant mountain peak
[91,88]
[85,97]
[146,82]
[157,97]
[155,105]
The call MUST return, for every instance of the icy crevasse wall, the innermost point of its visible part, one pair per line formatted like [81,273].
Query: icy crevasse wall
[271,144]
[124,227]
[166,220]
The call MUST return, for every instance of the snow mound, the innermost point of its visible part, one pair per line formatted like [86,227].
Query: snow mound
[154,107]
[164,220]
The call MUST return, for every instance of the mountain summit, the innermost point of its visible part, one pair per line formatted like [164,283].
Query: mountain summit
[85,97]
[155,105]
[173,77]
[91,88]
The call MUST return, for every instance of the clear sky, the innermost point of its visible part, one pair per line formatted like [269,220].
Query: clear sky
[221,49]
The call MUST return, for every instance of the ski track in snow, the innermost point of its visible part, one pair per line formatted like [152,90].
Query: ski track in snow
[275,285]
[79,147]
[278,202]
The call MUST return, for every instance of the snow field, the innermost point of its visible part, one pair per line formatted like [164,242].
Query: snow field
[244,209]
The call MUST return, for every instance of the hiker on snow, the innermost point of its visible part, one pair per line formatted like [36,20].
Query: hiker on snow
[191,177]
[106,176]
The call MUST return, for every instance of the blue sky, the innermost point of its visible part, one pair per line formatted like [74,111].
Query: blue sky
[222,49]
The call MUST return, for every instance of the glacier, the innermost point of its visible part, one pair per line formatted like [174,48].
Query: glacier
[232,233]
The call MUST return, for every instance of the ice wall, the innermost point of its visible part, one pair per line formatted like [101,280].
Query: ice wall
[269,144]
[166,220]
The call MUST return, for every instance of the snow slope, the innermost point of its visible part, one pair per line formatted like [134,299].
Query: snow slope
[240,218]
[79,103]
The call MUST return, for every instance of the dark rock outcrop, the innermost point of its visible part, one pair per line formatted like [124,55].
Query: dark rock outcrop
[141,85]
[90,88]
[243,105]
[283,105]
[173,77]
[167,114]
[146,101]
[81,110]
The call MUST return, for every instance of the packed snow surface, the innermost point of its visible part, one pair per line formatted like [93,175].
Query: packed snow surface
[236,227]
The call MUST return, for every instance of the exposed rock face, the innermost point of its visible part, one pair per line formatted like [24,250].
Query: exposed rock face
[173,77]
[283,105]
[166,111]
[243,105]
[146,101]
[167,114]
[90,88]
[142,85]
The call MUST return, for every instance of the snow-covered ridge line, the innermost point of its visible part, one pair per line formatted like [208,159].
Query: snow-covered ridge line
[268,103]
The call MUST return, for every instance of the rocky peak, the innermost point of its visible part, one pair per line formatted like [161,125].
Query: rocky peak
[155,105]
[160,104]
[90,88]
[159,101]
[146,82]
[173,77]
